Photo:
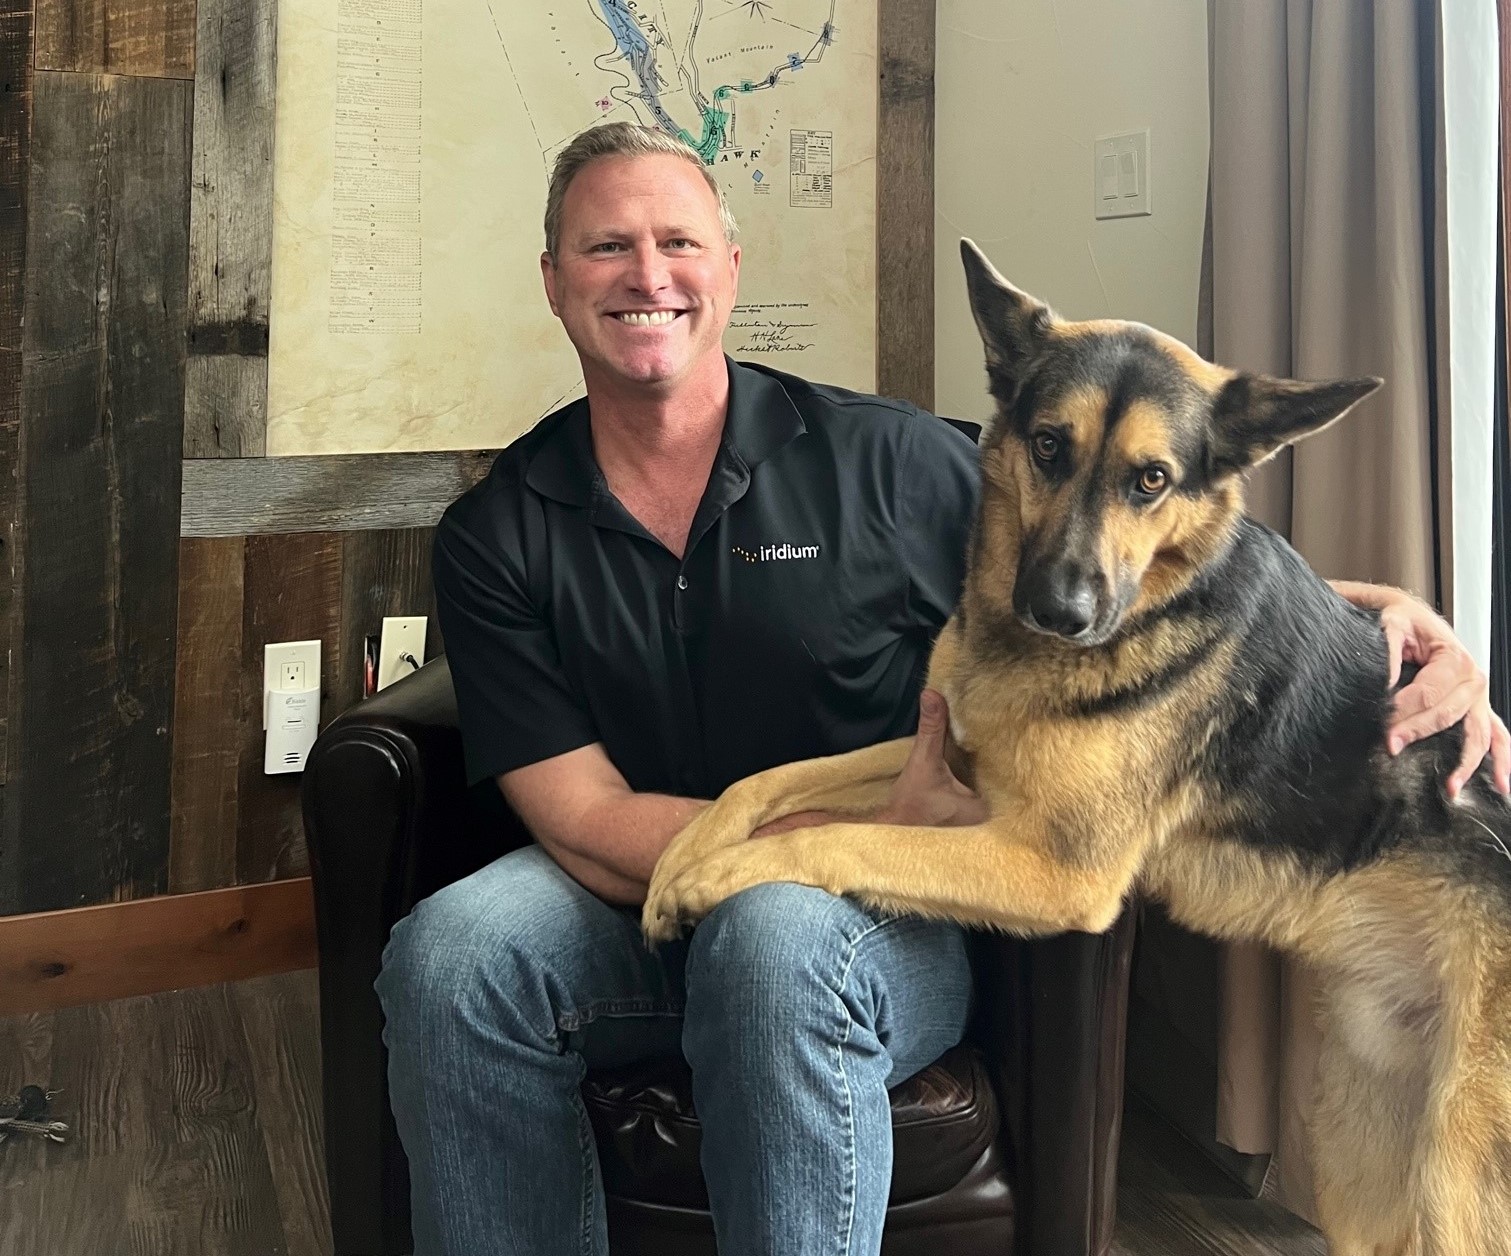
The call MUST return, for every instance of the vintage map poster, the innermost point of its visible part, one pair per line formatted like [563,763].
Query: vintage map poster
[413,141]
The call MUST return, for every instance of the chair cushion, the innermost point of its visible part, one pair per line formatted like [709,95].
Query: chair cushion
[943,1119]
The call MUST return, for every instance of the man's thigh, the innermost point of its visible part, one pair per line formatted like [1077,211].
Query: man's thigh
[577,969]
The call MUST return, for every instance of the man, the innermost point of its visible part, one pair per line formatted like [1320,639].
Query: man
[700,571]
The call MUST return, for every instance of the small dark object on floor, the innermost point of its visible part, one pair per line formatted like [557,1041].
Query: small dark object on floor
[33,1102]
[24,1113]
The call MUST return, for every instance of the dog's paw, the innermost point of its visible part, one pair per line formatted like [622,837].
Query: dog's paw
[674,902]
[658,920]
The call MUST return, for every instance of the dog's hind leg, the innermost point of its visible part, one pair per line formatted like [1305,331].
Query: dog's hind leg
[1364,1128]
[1466,1180]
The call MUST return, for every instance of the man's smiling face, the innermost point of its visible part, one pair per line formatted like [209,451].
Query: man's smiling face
[643,280]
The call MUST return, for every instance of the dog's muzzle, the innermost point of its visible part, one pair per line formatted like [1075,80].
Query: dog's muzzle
[1060,598]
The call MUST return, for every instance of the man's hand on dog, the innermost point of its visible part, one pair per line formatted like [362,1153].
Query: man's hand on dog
[1447,689]
[926,793]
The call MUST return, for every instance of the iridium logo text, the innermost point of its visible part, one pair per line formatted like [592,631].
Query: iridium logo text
[775,553]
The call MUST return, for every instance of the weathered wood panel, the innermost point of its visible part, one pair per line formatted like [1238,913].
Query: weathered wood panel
[230,231]
[102,417]
[118,950]
[225,402]
[149,37]
[384,573]
[15,136]
[344,492]
[292,593]
[206,714]
[905,202]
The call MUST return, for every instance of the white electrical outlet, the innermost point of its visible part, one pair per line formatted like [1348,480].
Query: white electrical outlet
[288,667]
[402,635]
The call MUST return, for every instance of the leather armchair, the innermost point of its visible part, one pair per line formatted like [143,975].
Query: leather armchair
[1007,1144]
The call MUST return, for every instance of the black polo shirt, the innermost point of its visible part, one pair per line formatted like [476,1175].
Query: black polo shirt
[827,552]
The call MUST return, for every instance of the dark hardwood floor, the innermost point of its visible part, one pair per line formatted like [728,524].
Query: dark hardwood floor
[196,1119]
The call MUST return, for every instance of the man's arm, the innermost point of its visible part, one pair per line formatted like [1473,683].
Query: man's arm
[602,833]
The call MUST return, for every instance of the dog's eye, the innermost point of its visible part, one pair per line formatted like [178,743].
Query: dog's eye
[1046,446]
[1152,481]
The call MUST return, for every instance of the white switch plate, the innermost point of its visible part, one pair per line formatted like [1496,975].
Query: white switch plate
[402,634]
[1120,175]
[288,666]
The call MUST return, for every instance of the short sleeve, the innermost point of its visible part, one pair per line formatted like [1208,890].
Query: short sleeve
[515,704]
[940,485]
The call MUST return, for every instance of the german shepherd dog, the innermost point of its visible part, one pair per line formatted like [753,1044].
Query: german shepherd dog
[1155,695]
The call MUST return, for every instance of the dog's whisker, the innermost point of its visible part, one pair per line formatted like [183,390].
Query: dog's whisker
[1494,837]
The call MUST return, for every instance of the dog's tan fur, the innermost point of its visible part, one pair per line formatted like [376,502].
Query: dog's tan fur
[1412,1124]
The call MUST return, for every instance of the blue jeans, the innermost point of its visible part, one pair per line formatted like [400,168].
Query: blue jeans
[795,1010]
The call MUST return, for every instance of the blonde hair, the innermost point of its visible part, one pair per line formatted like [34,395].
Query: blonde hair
[622,139]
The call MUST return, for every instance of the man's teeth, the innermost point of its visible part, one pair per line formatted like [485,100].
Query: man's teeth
[653,318]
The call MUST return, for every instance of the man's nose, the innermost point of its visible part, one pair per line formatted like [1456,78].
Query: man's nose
[649,271]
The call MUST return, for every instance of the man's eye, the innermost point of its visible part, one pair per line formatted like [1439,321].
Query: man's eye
[608,246]
[679,244]
[1046,446]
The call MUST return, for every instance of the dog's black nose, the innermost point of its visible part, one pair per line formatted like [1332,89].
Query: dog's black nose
[1070,617]
[1061,599]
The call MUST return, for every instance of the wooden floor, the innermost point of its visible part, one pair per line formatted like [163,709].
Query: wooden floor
[197,1133]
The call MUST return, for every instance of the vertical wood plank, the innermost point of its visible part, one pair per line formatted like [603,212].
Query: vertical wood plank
[292,592]
[386,572]
[206,714]
[102,431]
[15,137]
[905,201]
[139,37]
[230,231]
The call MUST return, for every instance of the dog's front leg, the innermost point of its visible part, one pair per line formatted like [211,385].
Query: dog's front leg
[994,874]
[859,781]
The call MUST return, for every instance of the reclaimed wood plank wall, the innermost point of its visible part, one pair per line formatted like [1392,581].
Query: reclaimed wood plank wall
[148,548]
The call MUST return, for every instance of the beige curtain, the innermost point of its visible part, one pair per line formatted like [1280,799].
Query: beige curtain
[1322,235]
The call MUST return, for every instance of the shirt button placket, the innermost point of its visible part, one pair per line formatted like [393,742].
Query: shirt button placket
[679,613]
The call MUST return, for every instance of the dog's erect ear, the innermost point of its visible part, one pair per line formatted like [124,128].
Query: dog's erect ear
[1011,322]
[1255,415]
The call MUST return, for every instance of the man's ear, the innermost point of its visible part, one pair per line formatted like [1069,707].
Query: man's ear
[1012,323]
[1256,415]
[548,278]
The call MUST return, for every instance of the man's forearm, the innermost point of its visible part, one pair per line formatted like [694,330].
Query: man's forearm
[596,877]
[612,847]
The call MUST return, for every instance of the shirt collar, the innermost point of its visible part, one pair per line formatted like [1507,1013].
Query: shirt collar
[761,419]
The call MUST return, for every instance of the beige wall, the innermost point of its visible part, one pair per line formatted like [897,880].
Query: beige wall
[1024,88]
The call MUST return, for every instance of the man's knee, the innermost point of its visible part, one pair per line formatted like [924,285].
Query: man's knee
[780,963]
[765,945]
[467,951]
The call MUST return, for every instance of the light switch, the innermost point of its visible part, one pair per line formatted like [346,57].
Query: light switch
[1108,178]
[1122,175]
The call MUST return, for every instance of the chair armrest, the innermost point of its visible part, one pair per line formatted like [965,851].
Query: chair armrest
[389,820]
[1054,1018]
[386,804]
